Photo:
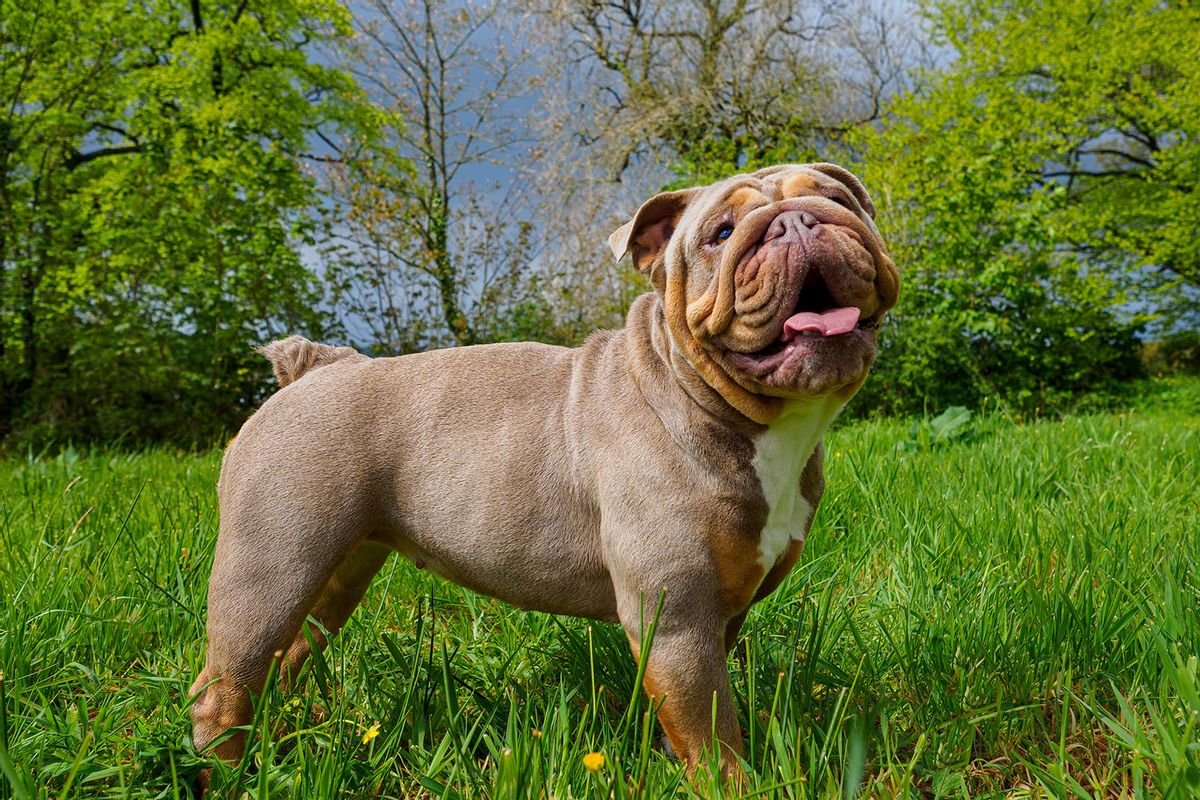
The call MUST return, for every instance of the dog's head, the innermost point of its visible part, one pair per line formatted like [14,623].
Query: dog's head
[773,284]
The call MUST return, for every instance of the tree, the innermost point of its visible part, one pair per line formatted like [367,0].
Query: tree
[436,253]
[1040,194]
[1100,100]
[1106,97]
[153,206]
[718,84]
[645,94]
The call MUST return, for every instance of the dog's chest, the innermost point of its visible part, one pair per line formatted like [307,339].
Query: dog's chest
[781,453]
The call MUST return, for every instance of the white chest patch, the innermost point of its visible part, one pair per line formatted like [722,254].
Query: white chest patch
[780,456]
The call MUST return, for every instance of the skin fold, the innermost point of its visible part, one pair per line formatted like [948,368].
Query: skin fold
[681,454]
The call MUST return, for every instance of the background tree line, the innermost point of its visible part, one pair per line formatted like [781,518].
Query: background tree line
[180,181]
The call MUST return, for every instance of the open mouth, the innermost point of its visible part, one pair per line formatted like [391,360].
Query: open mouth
[816,315]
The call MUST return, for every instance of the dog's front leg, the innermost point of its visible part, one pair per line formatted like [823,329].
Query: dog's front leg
[687,678]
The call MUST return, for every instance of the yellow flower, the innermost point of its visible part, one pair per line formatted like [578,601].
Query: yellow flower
[371,733]
[594,762]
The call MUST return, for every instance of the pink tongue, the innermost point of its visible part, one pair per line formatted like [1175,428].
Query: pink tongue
[827,323]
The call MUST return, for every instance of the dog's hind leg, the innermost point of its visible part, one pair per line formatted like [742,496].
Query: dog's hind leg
[262,587]
[338,598]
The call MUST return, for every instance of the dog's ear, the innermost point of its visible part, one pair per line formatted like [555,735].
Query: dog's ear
[850,181]
[647,234]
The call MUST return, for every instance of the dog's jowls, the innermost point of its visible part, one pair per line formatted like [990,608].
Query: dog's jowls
[681,453]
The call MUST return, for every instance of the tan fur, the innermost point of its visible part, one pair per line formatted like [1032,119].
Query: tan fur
[575,481]
[293,357]
[745,196]
[796,183]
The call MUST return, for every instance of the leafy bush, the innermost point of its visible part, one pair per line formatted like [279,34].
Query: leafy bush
[989,308]
[1034,196]
[948,427]
[154,208]
[1175,353]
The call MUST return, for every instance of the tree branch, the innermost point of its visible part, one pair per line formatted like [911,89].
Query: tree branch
[78,159]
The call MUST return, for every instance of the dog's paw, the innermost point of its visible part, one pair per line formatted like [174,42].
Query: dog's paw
[667,747]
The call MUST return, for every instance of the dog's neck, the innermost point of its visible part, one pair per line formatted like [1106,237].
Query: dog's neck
[663,373]
[665,377]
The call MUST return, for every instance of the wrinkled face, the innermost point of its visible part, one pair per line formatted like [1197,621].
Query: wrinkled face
[779,278]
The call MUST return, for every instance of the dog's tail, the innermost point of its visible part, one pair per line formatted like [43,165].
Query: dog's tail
[295,356]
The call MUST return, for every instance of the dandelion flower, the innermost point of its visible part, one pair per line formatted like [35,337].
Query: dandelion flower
[594,762]
[371,733]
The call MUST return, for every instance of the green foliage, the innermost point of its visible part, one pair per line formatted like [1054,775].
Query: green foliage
[1015,612]
[1173,394]
[1036,195]
[714,156]
[948,427]
[1102,97]
[989,306]
[153,208]
[1175,353]
[1039,195]
[158,213]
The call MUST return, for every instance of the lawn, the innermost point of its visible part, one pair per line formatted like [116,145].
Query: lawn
[1015,610]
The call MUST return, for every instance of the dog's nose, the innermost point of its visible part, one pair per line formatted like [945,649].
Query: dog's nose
[791,225]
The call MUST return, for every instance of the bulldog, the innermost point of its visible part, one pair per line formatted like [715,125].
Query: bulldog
[675,461]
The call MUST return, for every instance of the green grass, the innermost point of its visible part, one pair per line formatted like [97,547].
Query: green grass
[1014,611]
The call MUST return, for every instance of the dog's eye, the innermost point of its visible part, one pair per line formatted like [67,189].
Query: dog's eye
[723,233]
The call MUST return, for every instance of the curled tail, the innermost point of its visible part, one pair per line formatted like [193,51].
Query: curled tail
[295,356]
